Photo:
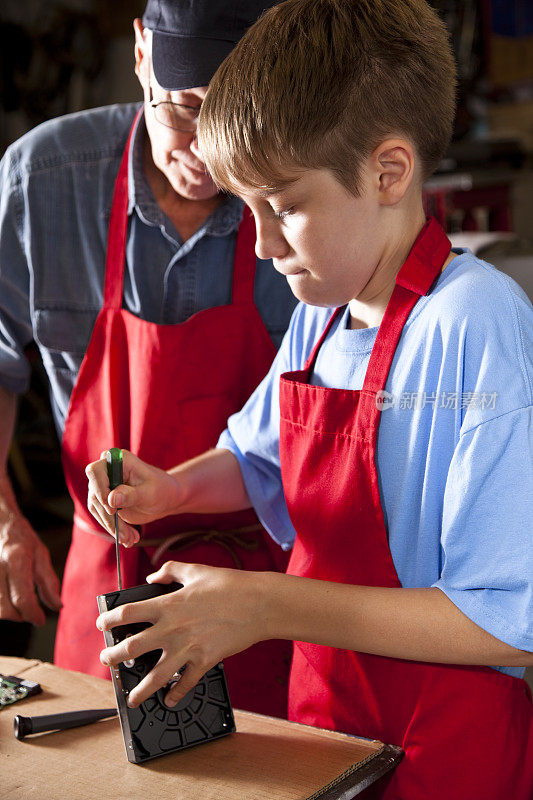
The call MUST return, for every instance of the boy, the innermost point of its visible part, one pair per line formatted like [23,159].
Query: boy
[410,575]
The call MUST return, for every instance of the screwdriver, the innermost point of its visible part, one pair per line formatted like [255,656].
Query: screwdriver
[116,477]
[59,722]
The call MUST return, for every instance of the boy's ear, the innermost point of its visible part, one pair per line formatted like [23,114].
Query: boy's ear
[394,165]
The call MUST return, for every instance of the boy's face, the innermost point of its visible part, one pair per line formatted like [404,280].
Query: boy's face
[326,242]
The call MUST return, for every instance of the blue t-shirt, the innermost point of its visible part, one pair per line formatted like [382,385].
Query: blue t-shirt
[56,189]
[455,441]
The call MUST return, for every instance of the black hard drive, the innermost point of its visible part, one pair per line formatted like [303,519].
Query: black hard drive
[153,728]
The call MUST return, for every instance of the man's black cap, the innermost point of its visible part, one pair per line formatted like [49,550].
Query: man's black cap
[191,38]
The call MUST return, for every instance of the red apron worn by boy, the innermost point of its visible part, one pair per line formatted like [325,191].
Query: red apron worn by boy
[467,732]
[165,392]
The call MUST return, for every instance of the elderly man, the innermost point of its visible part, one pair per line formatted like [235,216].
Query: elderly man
[139,282]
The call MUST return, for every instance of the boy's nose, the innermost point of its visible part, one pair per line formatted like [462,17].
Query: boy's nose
[270,242]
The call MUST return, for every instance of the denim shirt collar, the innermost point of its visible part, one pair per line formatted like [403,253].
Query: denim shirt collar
[225,219]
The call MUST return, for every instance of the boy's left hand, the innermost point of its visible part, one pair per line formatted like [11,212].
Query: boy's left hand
[217,613]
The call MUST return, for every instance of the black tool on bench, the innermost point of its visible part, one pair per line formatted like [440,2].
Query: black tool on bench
[25,726]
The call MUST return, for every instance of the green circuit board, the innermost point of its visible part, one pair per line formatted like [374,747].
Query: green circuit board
[13,689]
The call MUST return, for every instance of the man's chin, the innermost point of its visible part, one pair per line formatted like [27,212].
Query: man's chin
[202,190]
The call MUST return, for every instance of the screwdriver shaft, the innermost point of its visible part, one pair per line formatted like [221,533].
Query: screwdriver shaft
[117,553]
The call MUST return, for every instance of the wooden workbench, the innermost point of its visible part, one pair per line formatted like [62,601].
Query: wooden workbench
[267,759]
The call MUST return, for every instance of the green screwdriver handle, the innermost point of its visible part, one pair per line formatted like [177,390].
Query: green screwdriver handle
[114,467]
[116,477]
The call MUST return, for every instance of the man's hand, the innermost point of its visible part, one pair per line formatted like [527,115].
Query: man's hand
[147,493]
[24,567]
[216,614]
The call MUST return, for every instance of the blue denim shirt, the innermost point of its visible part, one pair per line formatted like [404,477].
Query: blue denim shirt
[56,191]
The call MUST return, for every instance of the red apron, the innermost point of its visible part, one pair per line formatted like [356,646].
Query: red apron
[467,732]
[165,393]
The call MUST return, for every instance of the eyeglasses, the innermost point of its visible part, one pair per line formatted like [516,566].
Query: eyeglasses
[177,116]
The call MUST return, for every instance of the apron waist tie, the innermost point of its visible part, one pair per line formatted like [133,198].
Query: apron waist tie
[228,539]
[81,523]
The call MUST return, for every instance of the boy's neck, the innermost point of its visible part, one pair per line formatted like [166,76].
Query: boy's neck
[367,310]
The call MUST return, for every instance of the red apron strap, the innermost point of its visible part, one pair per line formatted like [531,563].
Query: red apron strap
[398,309]
[244,263]
[310,363]
[415,278]
[117,232]
[426,258]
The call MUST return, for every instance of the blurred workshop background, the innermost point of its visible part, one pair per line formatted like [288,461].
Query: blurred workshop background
[59,56]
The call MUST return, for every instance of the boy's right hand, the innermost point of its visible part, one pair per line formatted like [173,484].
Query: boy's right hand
[148,493]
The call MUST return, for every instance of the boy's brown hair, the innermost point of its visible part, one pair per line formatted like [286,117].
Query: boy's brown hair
[320,83]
